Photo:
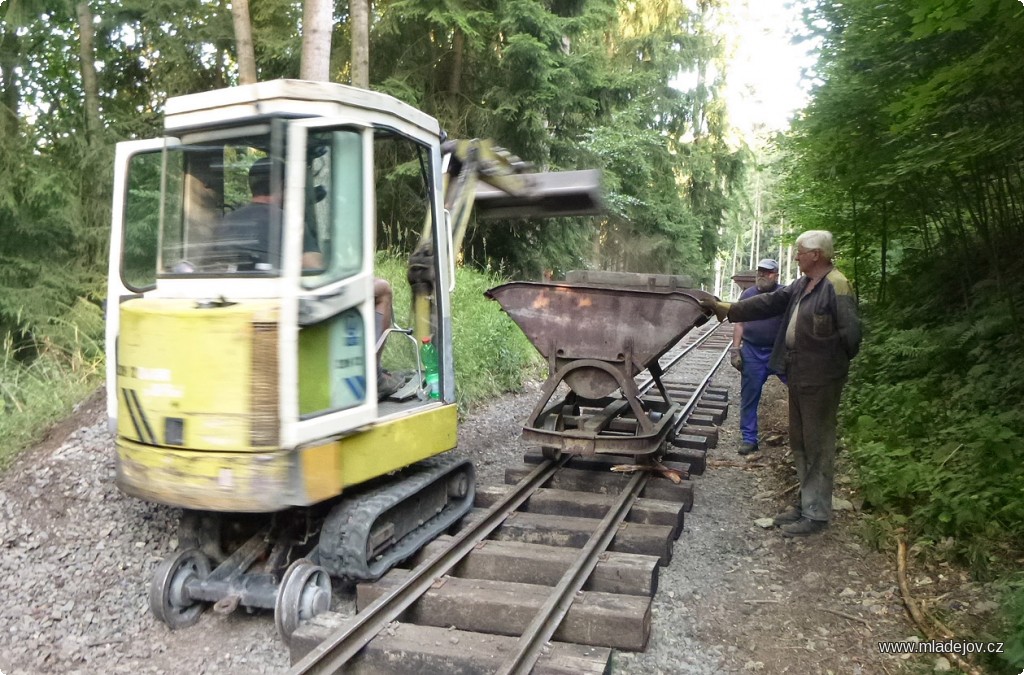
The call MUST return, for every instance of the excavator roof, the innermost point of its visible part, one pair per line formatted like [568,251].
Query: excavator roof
[285,98]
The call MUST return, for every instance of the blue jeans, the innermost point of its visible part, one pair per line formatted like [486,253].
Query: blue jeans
[755,373]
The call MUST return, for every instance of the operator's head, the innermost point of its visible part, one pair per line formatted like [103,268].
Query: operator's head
[767,274]
[259,177]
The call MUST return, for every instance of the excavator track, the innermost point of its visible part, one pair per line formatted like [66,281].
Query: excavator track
[368,533]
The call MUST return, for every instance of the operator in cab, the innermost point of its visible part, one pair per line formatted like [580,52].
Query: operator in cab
[248,230]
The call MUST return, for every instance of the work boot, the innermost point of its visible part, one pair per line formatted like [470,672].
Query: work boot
[804,527]
[387,384]
[748,448]
[790,515]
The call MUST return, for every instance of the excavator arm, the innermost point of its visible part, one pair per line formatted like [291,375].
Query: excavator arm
[499,185]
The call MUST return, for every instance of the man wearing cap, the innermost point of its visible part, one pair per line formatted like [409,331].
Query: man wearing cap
[819,335]
[752,343]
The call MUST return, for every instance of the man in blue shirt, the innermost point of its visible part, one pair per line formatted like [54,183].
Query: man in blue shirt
[752,343]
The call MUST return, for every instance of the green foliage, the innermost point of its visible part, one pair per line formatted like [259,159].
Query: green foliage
[937,428]
[651,227]
[578,84]
[911,143]
[38,389]
[1013,622]
[491,354]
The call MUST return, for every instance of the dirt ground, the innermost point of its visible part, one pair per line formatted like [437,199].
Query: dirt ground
[818,604]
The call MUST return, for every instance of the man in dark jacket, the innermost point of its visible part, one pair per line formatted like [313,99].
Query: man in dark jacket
[252,233]
[820,333]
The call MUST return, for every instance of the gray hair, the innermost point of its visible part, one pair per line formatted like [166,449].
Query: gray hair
[817,240]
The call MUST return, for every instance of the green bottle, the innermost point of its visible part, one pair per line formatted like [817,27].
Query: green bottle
[428,355]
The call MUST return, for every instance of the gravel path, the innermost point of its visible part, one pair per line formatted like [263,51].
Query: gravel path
[76,557]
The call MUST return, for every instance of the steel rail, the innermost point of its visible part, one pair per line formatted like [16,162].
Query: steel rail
[549,617]
[330,655]
[691,402]
[698,391]
[645,386]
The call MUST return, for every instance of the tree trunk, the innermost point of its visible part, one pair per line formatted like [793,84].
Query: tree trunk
[359,14]
[86,35]
[244,50]
[10,95]
[317,26]
[92,194]
[703,57]
[455,78]
[856,243]
[884,253]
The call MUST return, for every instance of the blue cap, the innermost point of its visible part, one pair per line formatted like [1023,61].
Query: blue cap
[768,264]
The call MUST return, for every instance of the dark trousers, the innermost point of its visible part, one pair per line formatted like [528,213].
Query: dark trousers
[812,436]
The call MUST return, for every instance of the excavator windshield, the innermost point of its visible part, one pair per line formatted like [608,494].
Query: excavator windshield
[221,211]
[217,208]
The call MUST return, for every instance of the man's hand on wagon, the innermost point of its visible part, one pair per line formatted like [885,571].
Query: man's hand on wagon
[721,309]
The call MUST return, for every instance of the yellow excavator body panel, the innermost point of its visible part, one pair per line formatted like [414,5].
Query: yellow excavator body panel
[273,481]
[197,377]
[200,429]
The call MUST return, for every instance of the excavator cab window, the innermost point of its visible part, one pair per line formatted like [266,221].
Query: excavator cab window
[403,211]
[209,208]
[141,222]
[222,209]
[333,238]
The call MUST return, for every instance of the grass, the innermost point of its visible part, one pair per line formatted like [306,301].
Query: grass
[36,393]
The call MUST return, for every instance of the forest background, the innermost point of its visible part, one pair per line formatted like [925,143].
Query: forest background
[910,151]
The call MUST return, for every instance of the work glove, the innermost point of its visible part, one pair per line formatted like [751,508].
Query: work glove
[720,309]
[736,359]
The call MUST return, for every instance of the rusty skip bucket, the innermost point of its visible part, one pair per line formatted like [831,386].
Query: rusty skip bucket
[596,339]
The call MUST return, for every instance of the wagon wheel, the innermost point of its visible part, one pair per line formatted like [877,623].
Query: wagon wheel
[556,422]
[305,592]
[169,599]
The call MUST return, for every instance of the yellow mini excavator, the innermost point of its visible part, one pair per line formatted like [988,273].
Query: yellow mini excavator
[243,343]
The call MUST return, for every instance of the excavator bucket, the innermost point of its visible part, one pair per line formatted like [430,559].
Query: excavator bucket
[548,195]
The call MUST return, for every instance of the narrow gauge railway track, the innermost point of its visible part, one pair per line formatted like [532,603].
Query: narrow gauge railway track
[548,575]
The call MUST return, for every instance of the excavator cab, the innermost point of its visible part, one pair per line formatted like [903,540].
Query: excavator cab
[242,341]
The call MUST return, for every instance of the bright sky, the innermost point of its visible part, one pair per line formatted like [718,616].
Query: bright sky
[763,80]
